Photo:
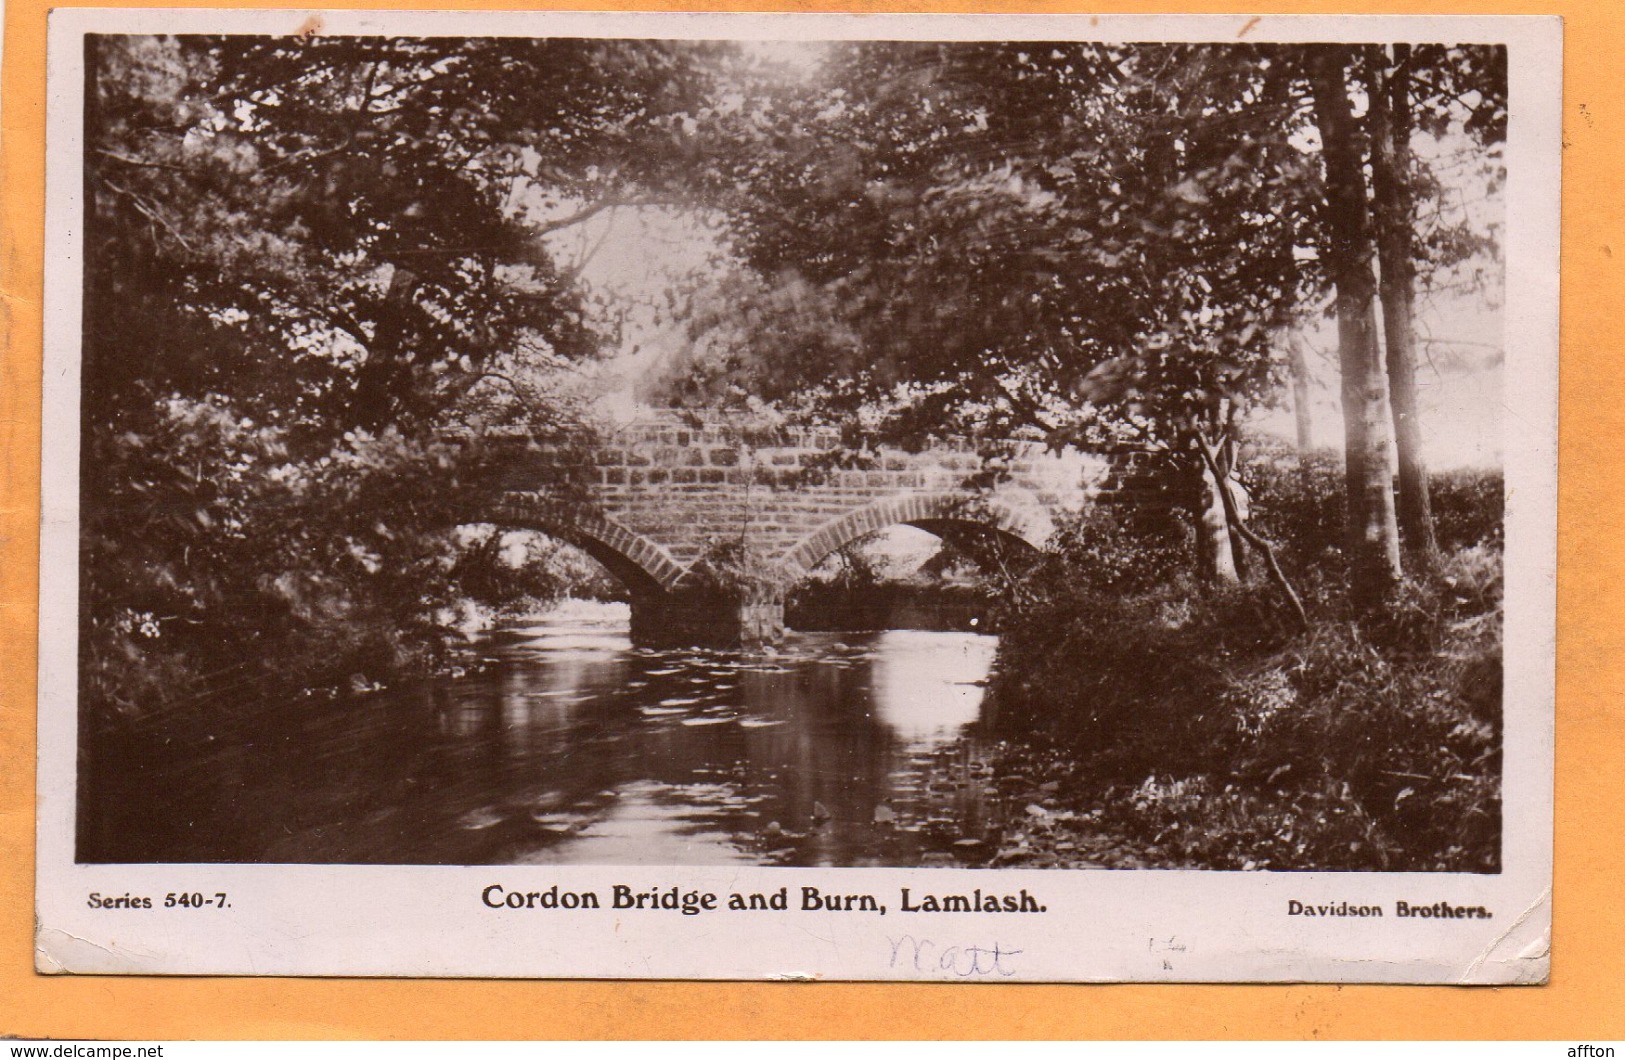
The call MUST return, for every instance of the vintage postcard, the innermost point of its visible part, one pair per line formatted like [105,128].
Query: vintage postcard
[966,498]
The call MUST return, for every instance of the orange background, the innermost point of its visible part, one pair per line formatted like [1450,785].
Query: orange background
[1586,996]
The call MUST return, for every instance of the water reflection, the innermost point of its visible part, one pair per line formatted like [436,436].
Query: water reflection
[572,746]
[928,686]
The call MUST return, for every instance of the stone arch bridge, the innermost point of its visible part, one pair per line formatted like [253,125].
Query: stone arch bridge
[660,502]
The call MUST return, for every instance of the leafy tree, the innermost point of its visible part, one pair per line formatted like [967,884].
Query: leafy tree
[1448,91]
[306,261]
[1389,119]
[1372,537]
[1067,241]
[1076,242]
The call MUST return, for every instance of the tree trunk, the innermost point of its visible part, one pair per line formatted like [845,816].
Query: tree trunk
[1390,118]
[1215,549]
[1236,501]
[1237,519]
[1301,411]
[1371,532]
[384,381]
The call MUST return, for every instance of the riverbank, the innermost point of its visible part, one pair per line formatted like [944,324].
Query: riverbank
[1205,730]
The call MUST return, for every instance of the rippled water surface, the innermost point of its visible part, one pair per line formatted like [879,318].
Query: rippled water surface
[572,746]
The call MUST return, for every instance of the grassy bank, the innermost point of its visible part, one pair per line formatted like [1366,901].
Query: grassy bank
[1202,729]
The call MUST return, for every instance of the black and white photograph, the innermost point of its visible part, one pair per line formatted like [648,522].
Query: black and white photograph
[607,460]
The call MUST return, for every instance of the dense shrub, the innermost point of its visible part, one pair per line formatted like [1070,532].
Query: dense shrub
[1211,733]
[1468,508]
[228,566]
[1297,502]
[1121,550]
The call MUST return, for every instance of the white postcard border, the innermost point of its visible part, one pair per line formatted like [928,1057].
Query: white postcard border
[1141,925]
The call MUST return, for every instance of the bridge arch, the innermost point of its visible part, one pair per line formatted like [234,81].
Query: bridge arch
[636,562]
[932,512]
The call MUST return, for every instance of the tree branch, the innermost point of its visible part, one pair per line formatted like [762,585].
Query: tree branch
[141,162]
[580,265]
[588,212]
[345,323]
[1233,514]
[1026,408]
[309,155]
[513,387]
[151,213]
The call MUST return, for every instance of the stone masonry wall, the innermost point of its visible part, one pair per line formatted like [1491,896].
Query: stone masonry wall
[668,491]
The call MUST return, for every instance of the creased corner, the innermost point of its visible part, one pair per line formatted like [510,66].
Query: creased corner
[45,963]
[58,952]
[1526,956]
